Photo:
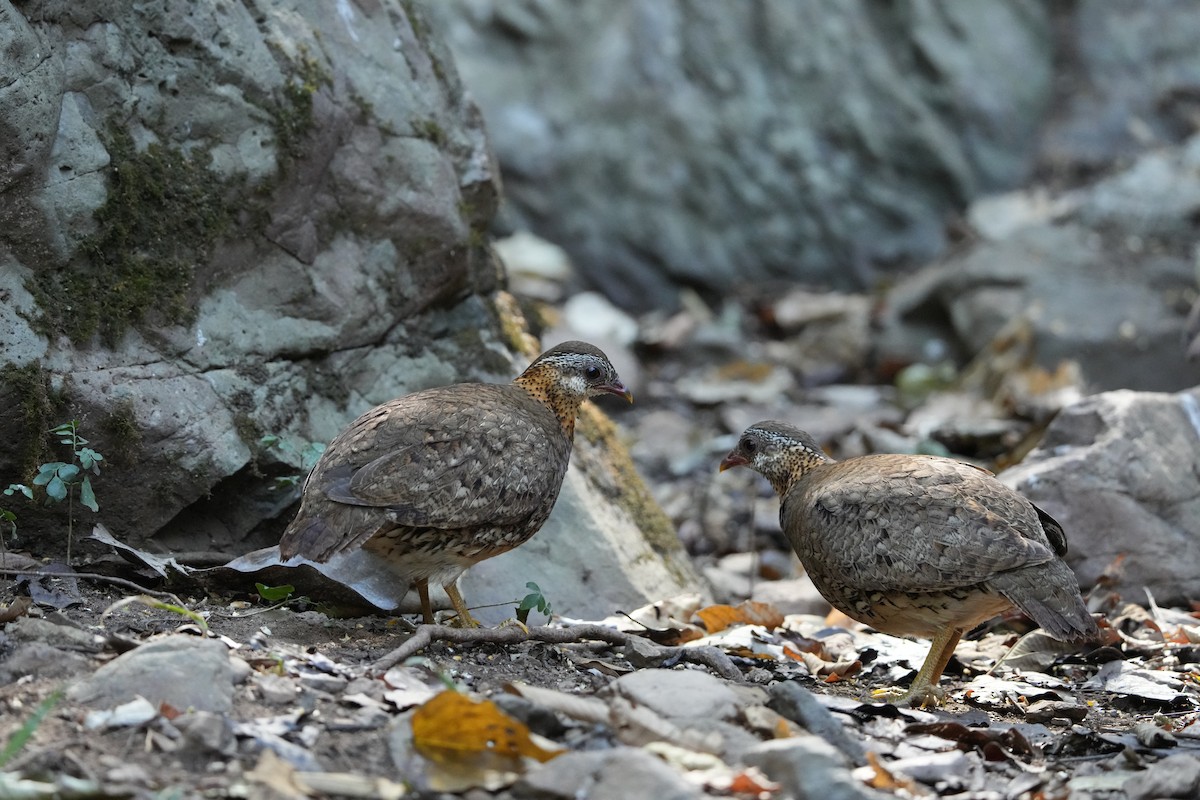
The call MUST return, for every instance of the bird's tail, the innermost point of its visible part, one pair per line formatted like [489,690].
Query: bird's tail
[309,537]
[1049,594]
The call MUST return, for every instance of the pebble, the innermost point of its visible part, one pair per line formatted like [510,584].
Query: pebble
[809,769]
[620,772]
[154,671]
[678,695]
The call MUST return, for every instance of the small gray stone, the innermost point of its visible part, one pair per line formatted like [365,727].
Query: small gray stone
[617,774]
[679,695]
[801,707]
[323,682]
[42,660]
[207,732]
[1174,776]
[241,669]
[36,629]
[276,690]
[809,769]
[181,671]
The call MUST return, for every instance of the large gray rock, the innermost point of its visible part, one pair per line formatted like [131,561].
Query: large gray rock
[1121,472]
[221,222]
[1128,77]
[228,220]
[1102,275]
[716,143]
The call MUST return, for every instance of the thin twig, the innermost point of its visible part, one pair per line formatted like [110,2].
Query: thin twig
[710,657]
[92,576]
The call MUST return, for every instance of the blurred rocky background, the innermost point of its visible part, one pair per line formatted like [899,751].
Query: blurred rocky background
[965,227]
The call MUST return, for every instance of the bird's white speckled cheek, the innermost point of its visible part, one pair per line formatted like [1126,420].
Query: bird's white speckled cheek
[575,384]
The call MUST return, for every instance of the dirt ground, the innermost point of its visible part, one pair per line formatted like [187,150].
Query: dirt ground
[155,760]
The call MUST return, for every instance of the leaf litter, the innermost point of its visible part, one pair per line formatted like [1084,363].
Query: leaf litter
[1023,711]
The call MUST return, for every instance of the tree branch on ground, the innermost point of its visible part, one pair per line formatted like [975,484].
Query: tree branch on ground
[708,656]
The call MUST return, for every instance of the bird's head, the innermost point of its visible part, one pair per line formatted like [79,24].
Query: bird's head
[779,452]
[567,374]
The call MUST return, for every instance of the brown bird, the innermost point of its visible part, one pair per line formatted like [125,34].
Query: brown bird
[916,545]
[438,480]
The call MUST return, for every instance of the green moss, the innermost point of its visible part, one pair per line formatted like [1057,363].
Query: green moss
[164,212]
[292,117]
[248,430]
[124,437]
[633,495]
[37,407]
[430,130]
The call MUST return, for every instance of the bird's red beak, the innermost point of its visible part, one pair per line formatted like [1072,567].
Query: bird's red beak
[733,460]
[617,388]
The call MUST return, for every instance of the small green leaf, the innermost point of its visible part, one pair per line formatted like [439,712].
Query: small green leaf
[7,515]
[90,459]
[274,594]
[19,487]
[47,472]
[56,489]
[269,440]
[86,495]
[68,472]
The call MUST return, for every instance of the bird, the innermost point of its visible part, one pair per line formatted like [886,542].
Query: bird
[438,480]
[916,545]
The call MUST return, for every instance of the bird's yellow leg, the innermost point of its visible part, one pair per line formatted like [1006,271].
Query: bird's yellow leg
[426,606]
[924,690]
[465,620]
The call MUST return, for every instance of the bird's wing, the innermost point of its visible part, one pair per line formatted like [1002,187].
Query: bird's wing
[445,459]
[917,528]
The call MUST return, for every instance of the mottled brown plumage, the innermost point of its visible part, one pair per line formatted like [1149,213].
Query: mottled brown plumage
[438,480]
[916,545]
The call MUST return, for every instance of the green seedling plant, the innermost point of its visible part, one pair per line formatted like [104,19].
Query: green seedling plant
[535,599]
[9,518]
[153,602]
[22,735]
[302,458]
[60,479]
[275,594]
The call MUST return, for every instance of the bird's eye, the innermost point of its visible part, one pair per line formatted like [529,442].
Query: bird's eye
[749,445]
[592,373]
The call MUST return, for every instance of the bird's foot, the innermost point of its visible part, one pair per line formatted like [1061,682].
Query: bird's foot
[463,619]
[914,697]
[513,621]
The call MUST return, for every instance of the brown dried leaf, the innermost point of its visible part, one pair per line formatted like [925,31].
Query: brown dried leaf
[452,727]
[719,617]
[17,608]
[995,745]
[883,778]
[752,782]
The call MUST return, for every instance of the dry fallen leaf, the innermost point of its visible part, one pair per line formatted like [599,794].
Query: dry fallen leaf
[883,778]
[16,608]
[993,744]
[719,617]
[454,727]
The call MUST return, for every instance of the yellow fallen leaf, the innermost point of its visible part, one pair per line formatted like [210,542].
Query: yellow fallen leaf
[453,727]
[719,617]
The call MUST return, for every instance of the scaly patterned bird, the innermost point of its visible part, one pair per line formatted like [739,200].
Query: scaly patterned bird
[438,480]
[916,545]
